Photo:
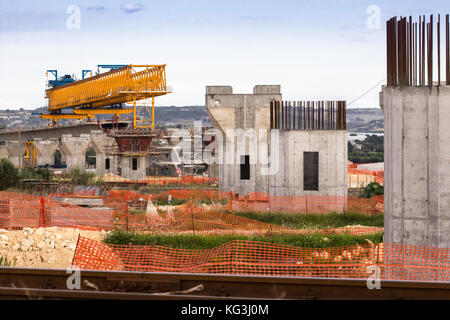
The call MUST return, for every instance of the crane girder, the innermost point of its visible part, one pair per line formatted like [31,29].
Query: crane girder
[126,84]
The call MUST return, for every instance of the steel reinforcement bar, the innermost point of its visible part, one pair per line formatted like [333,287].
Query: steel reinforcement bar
[413,48]
[52,284]
[308,115]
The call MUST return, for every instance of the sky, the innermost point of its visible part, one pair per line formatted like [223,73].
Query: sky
[316,50]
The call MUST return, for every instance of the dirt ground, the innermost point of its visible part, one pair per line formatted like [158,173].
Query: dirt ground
[51,247]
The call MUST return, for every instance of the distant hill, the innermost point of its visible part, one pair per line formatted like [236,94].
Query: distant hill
[358,120]
[365,120]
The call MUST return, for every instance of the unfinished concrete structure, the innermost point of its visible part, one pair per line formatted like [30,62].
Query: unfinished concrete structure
[256,129]
[114,153]
[417,144]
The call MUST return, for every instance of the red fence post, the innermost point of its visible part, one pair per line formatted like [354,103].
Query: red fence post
[42,218]
[127,213]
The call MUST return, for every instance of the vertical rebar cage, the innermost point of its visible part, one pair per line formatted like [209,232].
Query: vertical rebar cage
[411,50]
[308,115]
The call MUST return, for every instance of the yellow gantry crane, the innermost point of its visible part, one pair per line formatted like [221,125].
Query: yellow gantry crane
[30,156]
[106,93]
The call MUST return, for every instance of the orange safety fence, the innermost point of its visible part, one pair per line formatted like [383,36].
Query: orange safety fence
[80,193]
[189,218]
[260,202]
[245,257]
[22,210]
[378,175]
[165,180]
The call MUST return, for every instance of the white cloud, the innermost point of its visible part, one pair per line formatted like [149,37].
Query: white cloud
[132,7]
[94,7]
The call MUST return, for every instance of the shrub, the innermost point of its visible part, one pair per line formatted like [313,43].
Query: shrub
[371,190]
[81,177]
[9,175]
[31,173]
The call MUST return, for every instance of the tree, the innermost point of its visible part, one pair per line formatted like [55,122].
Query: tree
[350,147]
[371,190]
[9,175]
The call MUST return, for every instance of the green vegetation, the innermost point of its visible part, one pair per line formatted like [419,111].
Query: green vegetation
[205,242]
[4,262]
[82,177]
[316,221]
[58,159]
[32,173]
[9,175]
[372,150]
[371,190]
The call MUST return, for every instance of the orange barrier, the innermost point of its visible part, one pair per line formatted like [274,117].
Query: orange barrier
[189,218]
[21,210]
[378,176]
[259,202]
[165,180]
[244,257]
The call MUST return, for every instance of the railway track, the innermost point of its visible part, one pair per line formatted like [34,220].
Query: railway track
[25,283]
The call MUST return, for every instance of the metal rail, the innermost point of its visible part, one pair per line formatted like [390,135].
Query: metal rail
[51,284]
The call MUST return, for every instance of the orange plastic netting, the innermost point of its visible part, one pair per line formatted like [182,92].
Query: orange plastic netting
[189,218]
[259,202]
[164,180]
[396,262]
[23,210]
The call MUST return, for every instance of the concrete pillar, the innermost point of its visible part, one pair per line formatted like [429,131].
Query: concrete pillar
[74,149]
[417,165]
[45,151]
[126,164]
[100,141]
[13,151]
[240,111]
[4,153]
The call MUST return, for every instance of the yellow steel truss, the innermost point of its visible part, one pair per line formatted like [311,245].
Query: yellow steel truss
[89,112]
[56,117]
[140,113]
[127,84]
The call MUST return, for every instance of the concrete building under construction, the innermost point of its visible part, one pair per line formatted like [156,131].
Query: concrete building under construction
[416,107]
[276,147]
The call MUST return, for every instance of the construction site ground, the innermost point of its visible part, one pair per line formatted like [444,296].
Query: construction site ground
[51,247]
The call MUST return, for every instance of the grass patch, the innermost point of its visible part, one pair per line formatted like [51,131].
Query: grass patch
[4,262]
[316,221]
[205,242]
[165,202]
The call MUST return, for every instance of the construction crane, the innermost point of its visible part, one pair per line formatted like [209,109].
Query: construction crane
[106,93]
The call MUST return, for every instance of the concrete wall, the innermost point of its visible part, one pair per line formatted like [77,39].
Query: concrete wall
[229,111]
[125,164]
[332,148]
[417,165]
[73,150]
[48,133]
[45,151]
[252,111]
